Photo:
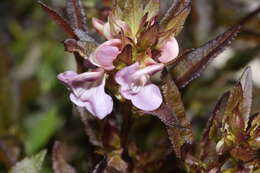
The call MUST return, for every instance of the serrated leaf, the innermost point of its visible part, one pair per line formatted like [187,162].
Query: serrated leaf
[191,64]
[30,165]
[59,164]
[212,133]
[76,14]
[149,37]
[152,9]
[82,48]
[165,114]
[175,25]
[133,13]
[59,20]
[173,99]
[233,123]
[247,87]
[71,45]
[176,8]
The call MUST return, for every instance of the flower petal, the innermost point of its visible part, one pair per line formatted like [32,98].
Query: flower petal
[102,28]
[123,76]
[66,77]
[100,104]
[105,54]
[148,99]
[169,51]
[77,101]
[148,70]
[88,76]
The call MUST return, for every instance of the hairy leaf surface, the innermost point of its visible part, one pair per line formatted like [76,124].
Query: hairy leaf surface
[76,14]
[191,64]
[59,20]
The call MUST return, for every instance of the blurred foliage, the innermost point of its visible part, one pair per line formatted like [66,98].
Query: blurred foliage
[35,109]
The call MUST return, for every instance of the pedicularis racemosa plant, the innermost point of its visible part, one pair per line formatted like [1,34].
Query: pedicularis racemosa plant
[116,83]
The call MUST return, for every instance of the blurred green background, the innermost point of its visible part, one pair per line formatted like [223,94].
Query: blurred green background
[34,107]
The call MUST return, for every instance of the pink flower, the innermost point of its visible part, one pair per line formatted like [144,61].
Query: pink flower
[169,51]
[88,91]
[105,54]
[136,86]
[103,28]
[107,30]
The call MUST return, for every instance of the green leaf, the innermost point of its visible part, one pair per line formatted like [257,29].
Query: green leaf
[175,25]
[133,14]
[30,165]
[191,63]
[40,129]
[152,8]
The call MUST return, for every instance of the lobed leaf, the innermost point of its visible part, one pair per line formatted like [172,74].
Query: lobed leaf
[77,16]
[59,20]
[30,165]
[59,164]
[191,64]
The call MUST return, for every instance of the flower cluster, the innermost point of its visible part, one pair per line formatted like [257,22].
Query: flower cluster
[134,78]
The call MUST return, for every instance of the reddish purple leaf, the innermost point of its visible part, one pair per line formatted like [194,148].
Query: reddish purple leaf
[165,115]
[76,14]
[59,20]
[148,37]
[191,64]
[172,97]
[207,146]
